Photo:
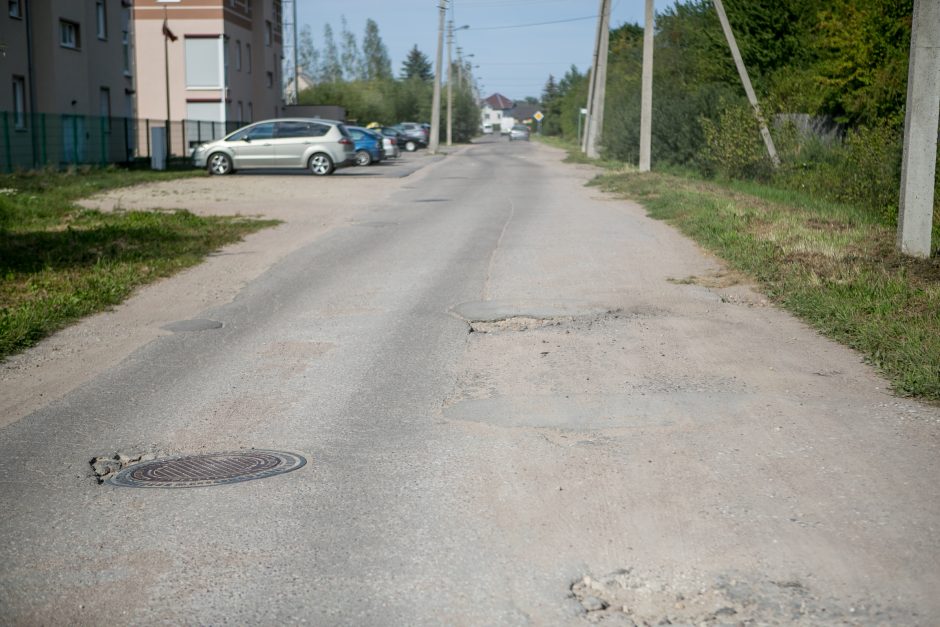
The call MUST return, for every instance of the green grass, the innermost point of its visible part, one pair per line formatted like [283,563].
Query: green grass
[833,265]
[60,262]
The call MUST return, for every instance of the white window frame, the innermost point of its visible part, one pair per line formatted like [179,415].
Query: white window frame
[70,35]
[101,19]
[19,103]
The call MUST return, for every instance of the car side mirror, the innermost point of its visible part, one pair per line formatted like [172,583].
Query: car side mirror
[247,139]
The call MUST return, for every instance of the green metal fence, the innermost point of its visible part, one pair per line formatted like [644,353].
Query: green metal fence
[58,140]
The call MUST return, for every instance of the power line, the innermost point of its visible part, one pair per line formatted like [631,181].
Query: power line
[573,19]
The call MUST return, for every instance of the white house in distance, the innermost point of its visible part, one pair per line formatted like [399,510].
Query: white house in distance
[497,114]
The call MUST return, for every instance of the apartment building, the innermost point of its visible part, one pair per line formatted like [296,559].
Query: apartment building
[69,68]
[70,57]
[221,59]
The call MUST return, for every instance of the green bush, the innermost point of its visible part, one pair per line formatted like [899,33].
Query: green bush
[733,146]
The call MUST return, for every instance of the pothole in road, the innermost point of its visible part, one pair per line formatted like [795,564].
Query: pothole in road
[518,323]
[105,466]
[498,316]
[625,598]
[188,326]
[208,469]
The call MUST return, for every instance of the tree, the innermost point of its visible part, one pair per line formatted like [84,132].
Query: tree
[378,66]
[417,65]
[308,57]
[350,57]
[331,71]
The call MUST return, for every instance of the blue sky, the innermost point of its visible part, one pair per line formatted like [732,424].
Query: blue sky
[513,61]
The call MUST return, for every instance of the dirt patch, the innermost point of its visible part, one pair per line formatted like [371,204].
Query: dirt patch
[624,598]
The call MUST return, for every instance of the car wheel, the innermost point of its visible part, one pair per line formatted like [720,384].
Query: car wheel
[411,146]
[363,157]
[320,164]
[219,163]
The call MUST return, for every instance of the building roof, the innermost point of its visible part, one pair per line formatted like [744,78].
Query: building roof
[524,111]
[499,101]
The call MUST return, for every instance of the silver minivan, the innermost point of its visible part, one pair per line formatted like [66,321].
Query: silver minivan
[318,145]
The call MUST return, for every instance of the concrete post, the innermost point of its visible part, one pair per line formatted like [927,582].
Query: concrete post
[646,98]
[746,81]
[595,58]
[596,119]
[450,83]
[435,139]
[918,170]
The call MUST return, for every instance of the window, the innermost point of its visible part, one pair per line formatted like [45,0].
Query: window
[69,35]
[251,113]
[238,55]
[267,32]
[248,56]
[16,8]
[126,51]
[203,63]
[19,102]
[101,17]
[301,129]
[241,112]
[262,131]
[270,79]
[104,105]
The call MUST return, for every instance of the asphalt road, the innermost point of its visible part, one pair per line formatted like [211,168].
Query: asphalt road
[517,406]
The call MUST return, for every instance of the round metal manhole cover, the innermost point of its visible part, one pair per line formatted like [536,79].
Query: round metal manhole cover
[195,471]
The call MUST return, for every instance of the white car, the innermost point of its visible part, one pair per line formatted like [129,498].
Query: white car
[318,145]
[392,151]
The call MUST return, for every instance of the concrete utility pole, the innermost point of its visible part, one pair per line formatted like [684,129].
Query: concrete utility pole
[595,121]
[594,63]
[742,72]
[450,83]
[646,99]
[915,216]
[435,139]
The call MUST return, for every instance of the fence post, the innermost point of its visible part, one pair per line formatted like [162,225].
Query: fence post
[6,141]
[148,138]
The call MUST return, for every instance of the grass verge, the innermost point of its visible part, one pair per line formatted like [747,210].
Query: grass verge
[60,262]
[833,265]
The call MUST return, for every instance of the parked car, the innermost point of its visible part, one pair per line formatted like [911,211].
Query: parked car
[392,151]
[416,135]
[519,131]
[395,135]
[369,148]
[318,145]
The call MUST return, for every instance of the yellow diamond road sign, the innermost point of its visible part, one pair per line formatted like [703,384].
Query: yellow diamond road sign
[538,116]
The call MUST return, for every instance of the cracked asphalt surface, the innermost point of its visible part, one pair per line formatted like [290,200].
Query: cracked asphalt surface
[612,443]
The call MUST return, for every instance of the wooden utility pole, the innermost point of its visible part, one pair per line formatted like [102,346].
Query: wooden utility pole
[921,119]
[748,89]
[646,98]
[595,121]
[594,62]
[435,139]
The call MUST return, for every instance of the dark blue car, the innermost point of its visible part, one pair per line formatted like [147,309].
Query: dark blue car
[368,145]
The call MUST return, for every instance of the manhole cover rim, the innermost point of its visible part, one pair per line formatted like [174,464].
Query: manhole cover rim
[288,461]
